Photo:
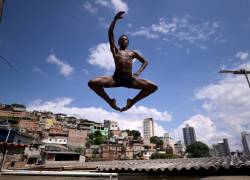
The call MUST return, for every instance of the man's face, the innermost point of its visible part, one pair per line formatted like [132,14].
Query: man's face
[123,41]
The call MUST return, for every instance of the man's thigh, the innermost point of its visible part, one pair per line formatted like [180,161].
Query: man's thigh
[105,81]
[140,83]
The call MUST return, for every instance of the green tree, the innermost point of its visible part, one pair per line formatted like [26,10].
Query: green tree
[158,155]
[156,140]
[136,134]
[198,149]
[98,134]
[96,138]
[99,140]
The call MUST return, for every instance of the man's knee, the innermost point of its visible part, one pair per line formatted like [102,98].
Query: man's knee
[153,87]
[92,84]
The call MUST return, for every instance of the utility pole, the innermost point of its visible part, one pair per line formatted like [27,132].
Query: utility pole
[5,151]
[1,9]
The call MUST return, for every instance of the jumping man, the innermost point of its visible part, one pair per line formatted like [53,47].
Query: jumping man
[123,76]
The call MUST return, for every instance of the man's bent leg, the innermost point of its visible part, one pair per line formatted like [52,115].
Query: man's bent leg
[147,88]
[98,85]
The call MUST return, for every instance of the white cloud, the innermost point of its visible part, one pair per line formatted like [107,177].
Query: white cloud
[85,71]
[39,71]
[158,130]
[65,69]
[205,130]
[117,5]
[89,7]
[242,55]
[102,57]
[227,103]
[185,29]
[131,119]
[145,32]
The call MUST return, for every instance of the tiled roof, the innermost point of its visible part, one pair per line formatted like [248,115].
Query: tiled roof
[225,165]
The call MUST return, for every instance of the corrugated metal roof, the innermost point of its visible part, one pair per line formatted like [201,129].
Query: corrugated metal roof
[176,165]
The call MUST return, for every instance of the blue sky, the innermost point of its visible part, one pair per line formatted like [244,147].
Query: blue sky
[57,46]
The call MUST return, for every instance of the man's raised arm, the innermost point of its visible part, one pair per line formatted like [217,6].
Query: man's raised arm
[111,31]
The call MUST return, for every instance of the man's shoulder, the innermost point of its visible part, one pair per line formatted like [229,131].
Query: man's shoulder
[131,51]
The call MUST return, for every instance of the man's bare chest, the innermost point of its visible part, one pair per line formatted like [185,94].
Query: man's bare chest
[124,56]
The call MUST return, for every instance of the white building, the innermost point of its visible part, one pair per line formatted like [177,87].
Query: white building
[167,141]
[245,139]
[148,129]
[179,148]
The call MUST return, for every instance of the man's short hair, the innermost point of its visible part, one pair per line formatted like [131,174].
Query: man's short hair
[124,35]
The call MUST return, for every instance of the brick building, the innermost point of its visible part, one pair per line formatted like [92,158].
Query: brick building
[77,138]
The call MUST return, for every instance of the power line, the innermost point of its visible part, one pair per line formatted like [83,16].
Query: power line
[9,63]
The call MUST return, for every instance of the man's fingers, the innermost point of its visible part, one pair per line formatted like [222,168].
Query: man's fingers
[121,12]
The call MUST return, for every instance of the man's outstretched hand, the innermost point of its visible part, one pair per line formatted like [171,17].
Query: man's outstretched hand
[119,15]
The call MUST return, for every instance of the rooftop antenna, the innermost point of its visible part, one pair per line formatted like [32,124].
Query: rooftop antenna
[239,72]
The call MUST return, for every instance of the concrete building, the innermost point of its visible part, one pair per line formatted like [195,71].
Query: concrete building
[188,135]
[111,151]
[26,126]
[149,149]
[167,141]
[104,131]
[12,136]
[14,155]
[18,107]
[245,139]
[111,125]
[86,124]
[58,130]
[178,149]
[222,149]
[62,156]
[148,129]
[63,140]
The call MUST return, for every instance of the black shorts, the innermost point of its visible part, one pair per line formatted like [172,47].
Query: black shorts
[123,79]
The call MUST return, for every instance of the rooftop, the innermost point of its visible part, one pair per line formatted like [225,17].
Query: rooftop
[202,166]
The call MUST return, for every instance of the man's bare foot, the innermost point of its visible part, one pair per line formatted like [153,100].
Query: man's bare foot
[130,103]
[112,103]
